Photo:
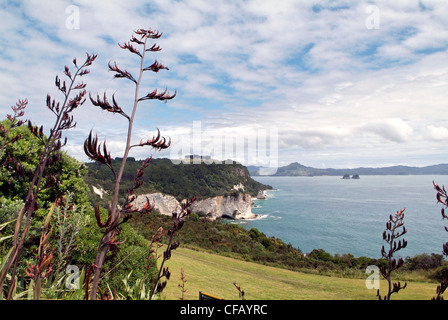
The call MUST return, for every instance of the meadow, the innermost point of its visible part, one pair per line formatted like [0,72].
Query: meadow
[215,274]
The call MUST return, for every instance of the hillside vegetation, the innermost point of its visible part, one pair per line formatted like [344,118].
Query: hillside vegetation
[182,180]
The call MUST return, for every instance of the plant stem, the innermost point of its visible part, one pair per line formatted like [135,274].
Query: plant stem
[115,215]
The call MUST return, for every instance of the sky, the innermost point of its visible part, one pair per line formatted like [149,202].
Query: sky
[328,84]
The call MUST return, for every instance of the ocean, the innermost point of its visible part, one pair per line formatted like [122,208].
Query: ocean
[349,216]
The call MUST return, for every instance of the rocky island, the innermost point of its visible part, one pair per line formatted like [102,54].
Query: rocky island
[347,176]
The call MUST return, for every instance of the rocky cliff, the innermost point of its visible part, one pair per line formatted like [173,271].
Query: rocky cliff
[179,180]
[235,206]
[163,203]
[224,189]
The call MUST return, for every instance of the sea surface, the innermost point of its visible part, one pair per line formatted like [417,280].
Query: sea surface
[349,216]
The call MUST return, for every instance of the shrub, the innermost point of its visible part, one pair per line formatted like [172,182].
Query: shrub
[133,256]
[266,242]
[254,233]
[321,254]
[424,261]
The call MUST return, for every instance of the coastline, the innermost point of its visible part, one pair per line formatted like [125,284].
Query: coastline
[327,213]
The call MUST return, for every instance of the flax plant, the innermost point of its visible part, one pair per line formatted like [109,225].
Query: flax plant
[178,220]
[99,153]
[19,111]
[50,155]
[442,198]
[394,230]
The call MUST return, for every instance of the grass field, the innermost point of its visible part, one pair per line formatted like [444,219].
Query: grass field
[215,275]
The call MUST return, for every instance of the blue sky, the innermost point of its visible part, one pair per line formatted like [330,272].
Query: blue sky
[343,83]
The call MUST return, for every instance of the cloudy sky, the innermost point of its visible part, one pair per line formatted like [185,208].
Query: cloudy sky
[324,83]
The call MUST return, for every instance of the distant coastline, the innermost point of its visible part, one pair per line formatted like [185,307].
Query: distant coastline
[297,169]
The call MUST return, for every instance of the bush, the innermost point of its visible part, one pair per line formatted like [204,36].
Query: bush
[131,255]
[27,152]
[437,274]
[321,254]
[254,233]
[424,261]
[9,209]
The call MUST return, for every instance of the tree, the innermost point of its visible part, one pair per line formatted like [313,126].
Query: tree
[26,152]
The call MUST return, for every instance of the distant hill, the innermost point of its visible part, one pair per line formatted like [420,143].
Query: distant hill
[182,180]
[297,169]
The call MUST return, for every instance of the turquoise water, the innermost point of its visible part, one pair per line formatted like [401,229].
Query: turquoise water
[349,216]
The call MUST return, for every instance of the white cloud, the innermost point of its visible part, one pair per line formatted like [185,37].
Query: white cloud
[395,130]
[325,81]
[437,133]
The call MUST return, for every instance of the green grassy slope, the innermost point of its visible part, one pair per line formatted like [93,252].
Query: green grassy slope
[215,274]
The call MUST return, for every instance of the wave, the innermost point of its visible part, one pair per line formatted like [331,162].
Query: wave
[260,217]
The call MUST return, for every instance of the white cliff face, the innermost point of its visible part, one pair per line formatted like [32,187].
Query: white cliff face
[164,203]
[99,191]
[234,206]
[239,187]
